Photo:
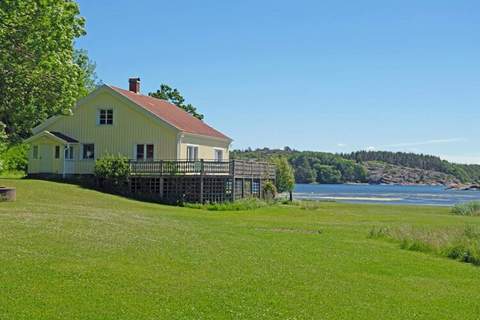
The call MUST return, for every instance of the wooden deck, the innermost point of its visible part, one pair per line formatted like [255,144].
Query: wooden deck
[234,168]
[199,181]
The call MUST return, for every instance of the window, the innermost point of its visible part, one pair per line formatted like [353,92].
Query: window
[149,151]
[105,116]
[57,152]
[69,153]
[88,151]
[35,152]
[218,155]
[140,151]
[145,152]
[192,153]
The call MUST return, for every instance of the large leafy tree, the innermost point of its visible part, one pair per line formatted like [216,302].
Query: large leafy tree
[174,96]
[39,77]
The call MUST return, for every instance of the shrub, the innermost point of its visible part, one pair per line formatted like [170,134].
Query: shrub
[467,209]
[15,158]
[239,205]
[112,169]
[269,191]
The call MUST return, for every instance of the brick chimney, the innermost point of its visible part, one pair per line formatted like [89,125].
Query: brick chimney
[134,85]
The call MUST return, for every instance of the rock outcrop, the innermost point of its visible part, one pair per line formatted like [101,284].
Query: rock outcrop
[383,173]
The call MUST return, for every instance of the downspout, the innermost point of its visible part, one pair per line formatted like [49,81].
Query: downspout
[179,142]
[64,160]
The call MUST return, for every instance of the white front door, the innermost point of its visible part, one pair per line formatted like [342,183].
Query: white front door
[68,161]
[45,155]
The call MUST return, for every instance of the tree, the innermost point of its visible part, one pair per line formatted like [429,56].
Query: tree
[304,172]
[174,96]
[3,146]
[285,180]
[328,174]
[38,76]
[88,79]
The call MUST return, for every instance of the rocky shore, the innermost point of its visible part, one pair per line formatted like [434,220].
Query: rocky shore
[383,173]
[464,187]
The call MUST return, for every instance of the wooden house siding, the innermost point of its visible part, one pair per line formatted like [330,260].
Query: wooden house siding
[206,146]
[132,125]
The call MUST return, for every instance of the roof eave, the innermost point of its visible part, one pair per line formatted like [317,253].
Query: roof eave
[230,140]
[48,134]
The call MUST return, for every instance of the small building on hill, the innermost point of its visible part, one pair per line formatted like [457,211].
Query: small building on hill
[154,134]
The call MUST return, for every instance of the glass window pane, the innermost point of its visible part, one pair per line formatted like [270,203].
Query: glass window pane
[109,116]
[88,151]
[149,151]
[69,153]
[218,155]
[140,151]
[192,153]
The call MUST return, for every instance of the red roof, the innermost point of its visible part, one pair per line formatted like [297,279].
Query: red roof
[171,114]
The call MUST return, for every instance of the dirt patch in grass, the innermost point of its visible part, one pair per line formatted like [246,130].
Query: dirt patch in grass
[290,230]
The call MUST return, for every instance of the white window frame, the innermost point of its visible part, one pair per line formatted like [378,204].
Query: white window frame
[144,158]
[99,116]
[35,152]
[69,153]
[221,151]
[195,154]
[83,151]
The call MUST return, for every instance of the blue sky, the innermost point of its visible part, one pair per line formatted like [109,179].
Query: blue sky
[313,75]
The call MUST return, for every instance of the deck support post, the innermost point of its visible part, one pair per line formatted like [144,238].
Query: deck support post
[260,193]
[160,189]
[202,173]
[243,188]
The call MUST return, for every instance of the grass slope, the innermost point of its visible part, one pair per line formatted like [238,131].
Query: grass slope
[71,253]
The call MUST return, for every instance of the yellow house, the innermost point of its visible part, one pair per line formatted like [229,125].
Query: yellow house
[116,121]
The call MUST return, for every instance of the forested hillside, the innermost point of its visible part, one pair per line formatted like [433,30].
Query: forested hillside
[368,166]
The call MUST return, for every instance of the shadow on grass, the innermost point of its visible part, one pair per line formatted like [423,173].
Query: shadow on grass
[90,182]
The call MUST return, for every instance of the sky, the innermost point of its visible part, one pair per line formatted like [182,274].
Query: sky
[331,75]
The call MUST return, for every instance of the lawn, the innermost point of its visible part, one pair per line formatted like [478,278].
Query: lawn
[72,253]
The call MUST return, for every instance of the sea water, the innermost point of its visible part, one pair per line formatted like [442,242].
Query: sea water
[385,194]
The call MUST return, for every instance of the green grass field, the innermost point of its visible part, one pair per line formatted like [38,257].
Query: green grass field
[72,253]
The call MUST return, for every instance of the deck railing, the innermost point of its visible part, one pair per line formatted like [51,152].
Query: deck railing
[237,168]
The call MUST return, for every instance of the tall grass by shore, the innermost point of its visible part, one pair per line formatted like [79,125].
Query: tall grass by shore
[459,243]
[467,209]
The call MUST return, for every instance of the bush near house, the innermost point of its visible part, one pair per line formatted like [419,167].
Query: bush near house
[112,170]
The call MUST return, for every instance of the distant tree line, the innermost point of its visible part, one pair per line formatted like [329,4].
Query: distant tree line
[323,167]
[311,167]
